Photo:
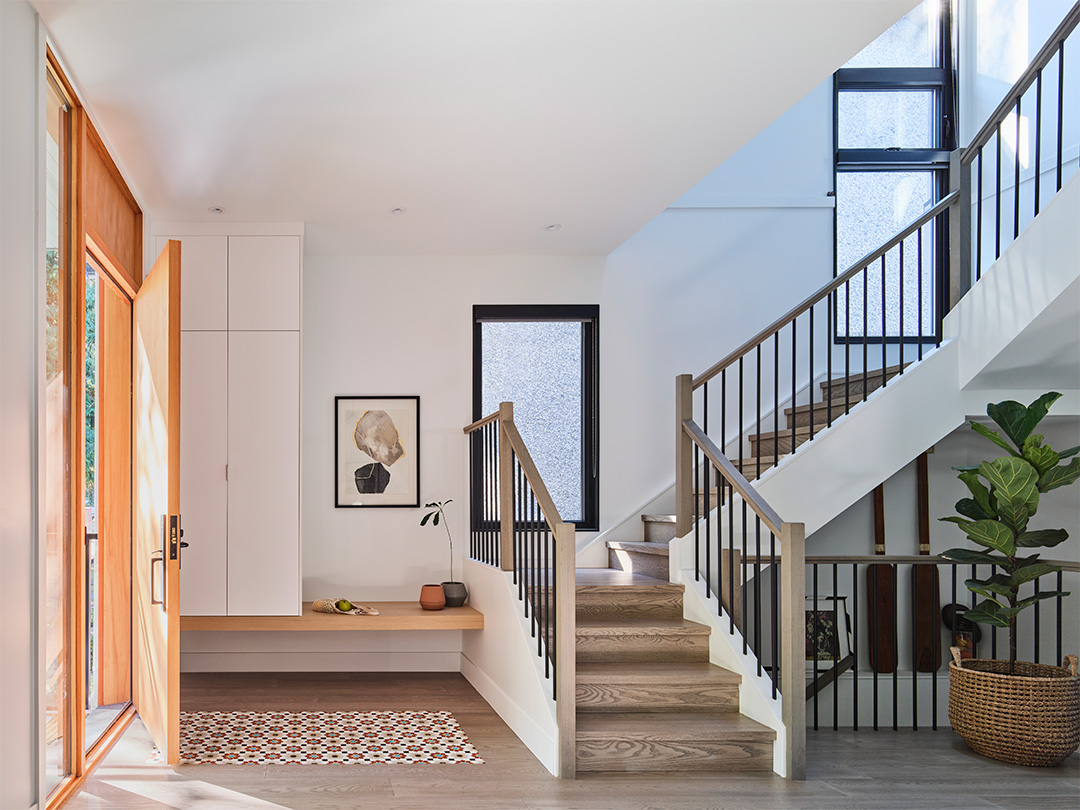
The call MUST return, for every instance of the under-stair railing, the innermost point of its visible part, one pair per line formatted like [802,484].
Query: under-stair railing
[1041,158]
[777,631]
[515,525]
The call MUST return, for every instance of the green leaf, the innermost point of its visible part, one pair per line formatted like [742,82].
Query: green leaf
[1043,537]
[967,469]
[1072,451]
[1015,516]
[999,584]
[967,555]
[1059,476]
[987,612]
[435,522]
[1031,600]
[979,492]
[1018,421]
[993,436]
[1041,457]
[1014,481]
[425,520]
[959,521]
[448,500]
[969,508]
[993,535]
[1032,572]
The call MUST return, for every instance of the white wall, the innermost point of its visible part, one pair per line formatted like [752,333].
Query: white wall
[745,245]
[22,124]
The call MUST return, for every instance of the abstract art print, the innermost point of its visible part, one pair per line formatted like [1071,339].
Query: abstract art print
[376,451]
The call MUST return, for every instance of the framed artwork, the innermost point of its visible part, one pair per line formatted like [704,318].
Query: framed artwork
[376,451]
[828,629]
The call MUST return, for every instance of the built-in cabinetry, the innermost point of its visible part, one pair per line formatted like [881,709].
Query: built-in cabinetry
[240,424]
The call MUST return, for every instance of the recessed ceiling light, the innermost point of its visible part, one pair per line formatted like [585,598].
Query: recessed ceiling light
[554,226]
[216,209]
[396,211]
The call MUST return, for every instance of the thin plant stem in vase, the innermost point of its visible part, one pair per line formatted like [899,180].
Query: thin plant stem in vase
[455,591]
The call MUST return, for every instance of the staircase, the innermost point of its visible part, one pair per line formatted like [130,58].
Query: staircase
[647,697]
[838,395]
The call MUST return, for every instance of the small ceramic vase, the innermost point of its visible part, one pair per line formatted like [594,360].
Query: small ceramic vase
[432,597]
[456,594]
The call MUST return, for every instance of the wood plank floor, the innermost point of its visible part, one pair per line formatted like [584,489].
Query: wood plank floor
[866,770]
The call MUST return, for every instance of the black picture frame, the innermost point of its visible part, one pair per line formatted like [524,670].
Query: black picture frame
[377,463]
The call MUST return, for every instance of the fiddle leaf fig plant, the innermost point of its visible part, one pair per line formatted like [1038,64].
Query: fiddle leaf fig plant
[435,515]
[1005,496]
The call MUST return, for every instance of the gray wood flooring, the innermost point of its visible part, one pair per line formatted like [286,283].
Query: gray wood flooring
[866,770]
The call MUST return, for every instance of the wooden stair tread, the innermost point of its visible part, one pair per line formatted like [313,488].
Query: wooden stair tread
[641,625]
[697,673]
[612,577]
[671,725]
[658,518]
[659,549]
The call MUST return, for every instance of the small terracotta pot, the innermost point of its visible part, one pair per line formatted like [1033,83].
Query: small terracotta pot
[432,597]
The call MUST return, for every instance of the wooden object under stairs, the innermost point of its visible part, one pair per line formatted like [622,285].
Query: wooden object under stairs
[647,697]
[650,557]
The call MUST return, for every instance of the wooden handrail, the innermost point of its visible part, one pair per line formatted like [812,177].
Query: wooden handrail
[735,478]
[479,423]
[1008,104]
[833,285]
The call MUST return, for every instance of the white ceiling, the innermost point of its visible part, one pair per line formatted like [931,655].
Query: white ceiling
[486,120]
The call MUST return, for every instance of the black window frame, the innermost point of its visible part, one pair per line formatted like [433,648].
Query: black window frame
[943,81]
[589,317]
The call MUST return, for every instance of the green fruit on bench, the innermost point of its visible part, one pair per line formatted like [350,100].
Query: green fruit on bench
[344,605]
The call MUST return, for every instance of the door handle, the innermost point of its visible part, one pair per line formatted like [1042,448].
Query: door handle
[155,557]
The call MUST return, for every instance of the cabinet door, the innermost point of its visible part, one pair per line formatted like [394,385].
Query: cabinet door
[264,282]
[204,302]
[204,376]
[264,473]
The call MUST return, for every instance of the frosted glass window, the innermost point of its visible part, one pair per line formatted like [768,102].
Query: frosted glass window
[538,365]
[879,119]
[911,42]
[871,207]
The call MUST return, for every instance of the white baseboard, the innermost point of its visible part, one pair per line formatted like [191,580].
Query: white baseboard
[536,739]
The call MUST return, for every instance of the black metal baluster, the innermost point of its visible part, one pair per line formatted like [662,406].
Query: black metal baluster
[723,411]
[814,649]
[695,513]
[745,595]
[1038,137]
[730,500]
[757,414]
[914,657]
[847,348]
[794,402]
[901,322]
[776,397]
[545,596]
[865,328]
[896,653]
[1038,590]
[836,656]
[953,602]
[872,638]
[705,408]
[704,494]
[979,218]
[884,327]
[554,646]
[1016,175]
[920,291]
[830,330]
[739,452]
[997,200]
[810,393]
[1061,108]
[775,612]
[757,595]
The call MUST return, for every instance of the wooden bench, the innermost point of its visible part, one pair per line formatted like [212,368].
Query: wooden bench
[392,616]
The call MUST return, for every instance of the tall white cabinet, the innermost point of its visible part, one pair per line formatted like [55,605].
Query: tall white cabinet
[240,422]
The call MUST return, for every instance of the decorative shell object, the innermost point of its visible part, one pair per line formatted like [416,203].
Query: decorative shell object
[335,606]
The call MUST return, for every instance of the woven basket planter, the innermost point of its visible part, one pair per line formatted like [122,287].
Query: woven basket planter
[1030,718]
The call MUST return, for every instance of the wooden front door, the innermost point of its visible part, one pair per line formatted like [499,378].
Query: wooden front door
[156,498]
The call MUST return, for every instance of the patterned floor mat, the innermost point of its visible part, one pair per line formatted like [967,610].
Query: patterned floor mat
[314,738]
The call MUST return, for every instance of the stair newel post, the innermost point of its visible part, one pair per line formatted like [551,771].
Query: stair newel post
[566,648]
[506,488]
[684,454]
[959,279]
[793,646]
